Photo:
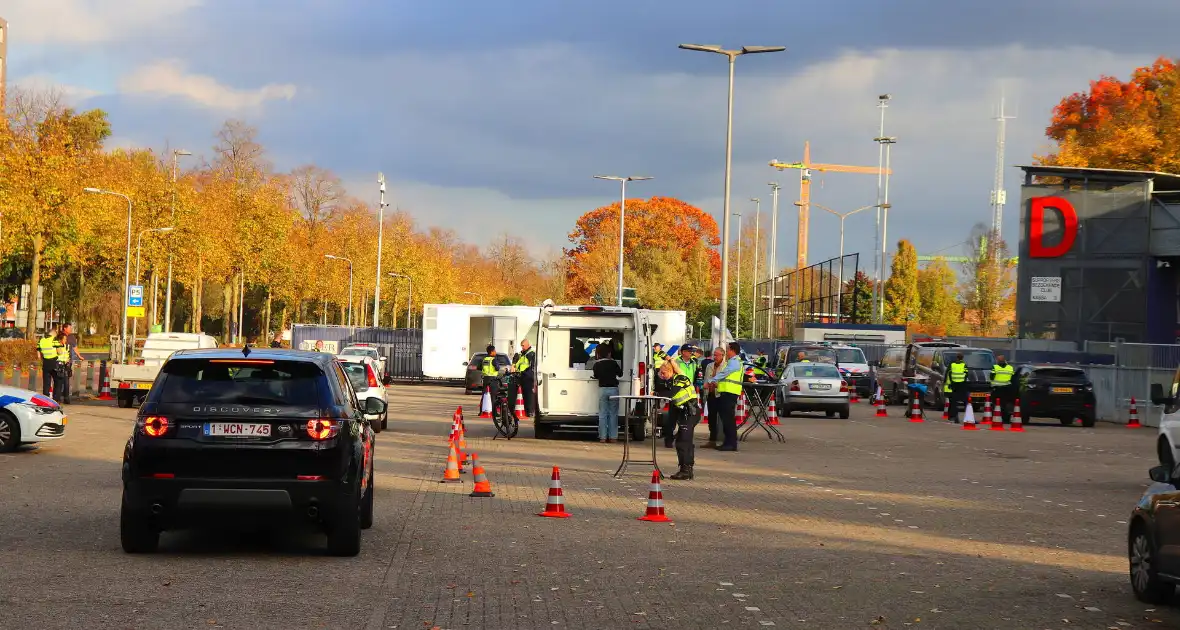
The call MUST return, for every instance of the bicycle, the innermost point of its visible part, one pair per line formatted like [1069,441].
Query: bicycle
[503,414]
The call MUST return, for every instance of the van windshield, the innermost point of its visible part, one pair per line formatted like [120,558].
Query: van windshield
[226,381]
[979,359]
[850,355]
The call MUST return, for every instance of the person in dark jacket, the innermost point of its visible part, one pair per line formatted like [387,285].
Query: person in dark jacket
[607,372]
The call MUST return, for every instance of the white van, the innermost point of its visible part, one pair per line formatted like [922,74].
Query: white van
[131,382]
[567,394]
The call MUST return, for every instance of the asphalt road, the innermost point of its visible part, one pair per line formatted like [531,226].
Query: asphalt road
[853,523]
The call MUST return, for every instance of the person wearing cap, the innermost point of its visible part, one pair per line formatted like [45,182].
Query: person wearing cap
[685,410]
[658,355]
[490,368]
[687,366]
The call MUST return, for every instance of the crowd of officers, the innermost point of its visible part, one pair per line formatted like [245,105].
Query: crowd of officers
[58,348]
[1003,390]
[522,367]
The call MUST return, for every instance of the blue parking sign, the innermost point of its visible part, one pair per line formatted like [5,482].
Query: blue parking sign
[135,295]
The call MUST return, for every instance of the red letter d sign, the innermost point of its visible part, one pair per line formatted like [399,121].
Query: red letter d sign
[1036,232]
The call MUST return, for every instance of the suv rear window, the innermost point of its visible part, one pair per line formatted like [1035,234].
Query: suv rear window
[1064,373]
[240,381]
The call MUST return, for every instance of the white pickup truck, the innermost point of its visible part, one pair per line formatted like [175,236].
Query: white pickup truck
[130,383]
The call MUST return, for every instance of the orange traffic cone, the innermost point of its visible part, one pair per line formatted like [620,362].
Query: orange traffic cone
[555,507]
[881,407]
[946,408]
[852,397]
[457,417]
[483,487]
[485,404]
[1017,421]
[987,412]
[519,411]
[451,474]
[969,419]
[1133,418]
[105,394]
[772,414]
[655,502]
[461,447]
[997,419]
[704,410]
[740,416]
[916,410]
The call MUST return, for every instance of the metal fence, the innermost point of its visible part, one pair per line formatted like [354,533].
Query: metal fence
[823,292]
[401,347]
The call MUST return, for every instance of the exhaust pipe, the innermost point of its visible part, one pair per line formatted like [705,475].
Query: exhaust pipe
[157,509]
[313,512]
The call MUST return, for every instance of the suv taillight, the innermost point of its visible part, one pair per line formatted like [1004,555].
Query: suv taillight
[372,376]
[155,426]
[322,428]
[794,386]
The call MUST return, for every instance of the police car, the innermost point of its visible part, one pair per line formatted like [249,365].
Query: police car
[27,417]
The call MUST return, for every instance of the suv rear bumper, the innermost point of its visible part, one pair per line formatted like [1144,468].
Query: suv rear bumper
[178,502]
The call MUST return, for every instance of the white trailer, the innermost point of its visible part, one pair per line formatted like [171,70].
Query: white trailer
[851,333]
[452,333]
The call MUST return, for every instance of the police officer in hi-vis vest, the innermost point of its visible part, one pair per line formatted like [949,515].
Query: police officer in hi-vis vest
[1002,388]
[50,348]
[955,383]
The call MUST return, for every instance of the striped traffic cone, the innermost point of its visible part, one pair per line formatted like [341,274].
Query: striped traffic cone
[461,447]
[655,502]
[740,416]
[772,414]
[881,407]
[519,411]
[997,419]
[1017,421]
[946,408]
[485,405]
[1133,418]
[451,474]
[704,409]
[852,397]
[987,413]
[483,487]
[105,394]
[969,419]
[555,506]
[916,410]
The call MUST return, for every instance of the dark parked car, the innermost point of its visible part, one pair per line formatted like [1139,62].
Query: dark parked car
[1153,539]
[1056,391]
[889,372]
[474,380]
[931,362]
[241,436]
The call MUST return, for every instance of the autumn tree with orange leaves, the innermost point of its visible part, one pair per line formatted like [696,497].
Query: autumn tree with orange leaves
[1133,125]
[669,254]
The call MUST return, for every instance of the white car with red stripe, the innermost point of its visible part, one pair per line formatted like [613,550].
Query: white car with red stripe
[27,417]
[364,376]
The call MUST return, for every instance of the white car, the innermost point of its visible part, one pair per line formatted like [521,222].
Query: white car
[362,374]
[365,350]
[1168,443]
[26,417]
[813,386]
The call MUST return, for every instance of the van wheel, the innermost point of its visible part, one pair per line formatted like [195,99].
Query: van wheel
[123,401]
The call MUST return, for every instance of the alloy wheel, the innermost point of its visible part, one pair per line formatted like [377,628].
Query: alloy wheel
[1140,563]
[5,432]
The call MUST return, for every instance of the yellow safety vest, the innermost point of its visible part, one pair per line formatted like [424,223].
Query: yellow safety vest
[688,368]
[958,372]
[522,363]
[731,384]
[63,352]
[1002,374]
[658,359]
[685,392]
[48,347]
[488,367]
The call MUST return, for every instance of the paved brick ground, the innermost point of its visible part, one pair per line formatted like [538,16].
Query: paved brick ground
[852,523]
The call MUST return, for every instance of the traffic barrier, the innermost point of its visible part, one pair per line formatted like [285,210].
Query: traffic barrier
[987,411]
[772,414]
[997,419]
[451,473]
[485,404]
[946,408]
[916,410]
[655,502]
[519,411]
[555,505]
[881,407]
[969,419]
[483,487]
[1017,421]
[1133,418]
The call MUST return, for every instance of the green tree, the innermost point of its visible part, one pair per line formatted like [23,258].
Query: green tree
[856,303]
[937,291]
[902,302]
[510,301]
[988,282]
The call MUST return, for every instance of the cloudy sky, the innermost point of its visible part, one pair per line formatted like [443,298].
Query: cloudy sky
[491,117]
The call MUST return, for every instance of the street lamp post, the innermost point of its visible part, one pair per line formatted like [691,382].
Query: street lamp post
[885,205]
[380,236]
[168,293]
[410,300]
[732,55]
[331,257]
[878,242]
[841,216]
[476,295]
[138,251]
[622,217]
[757,246]
[126,272]
[772,256]
[737,304]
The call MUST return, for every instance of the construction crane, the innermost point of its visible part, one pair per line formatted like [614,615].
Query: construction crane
[805,169]
[964,259]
